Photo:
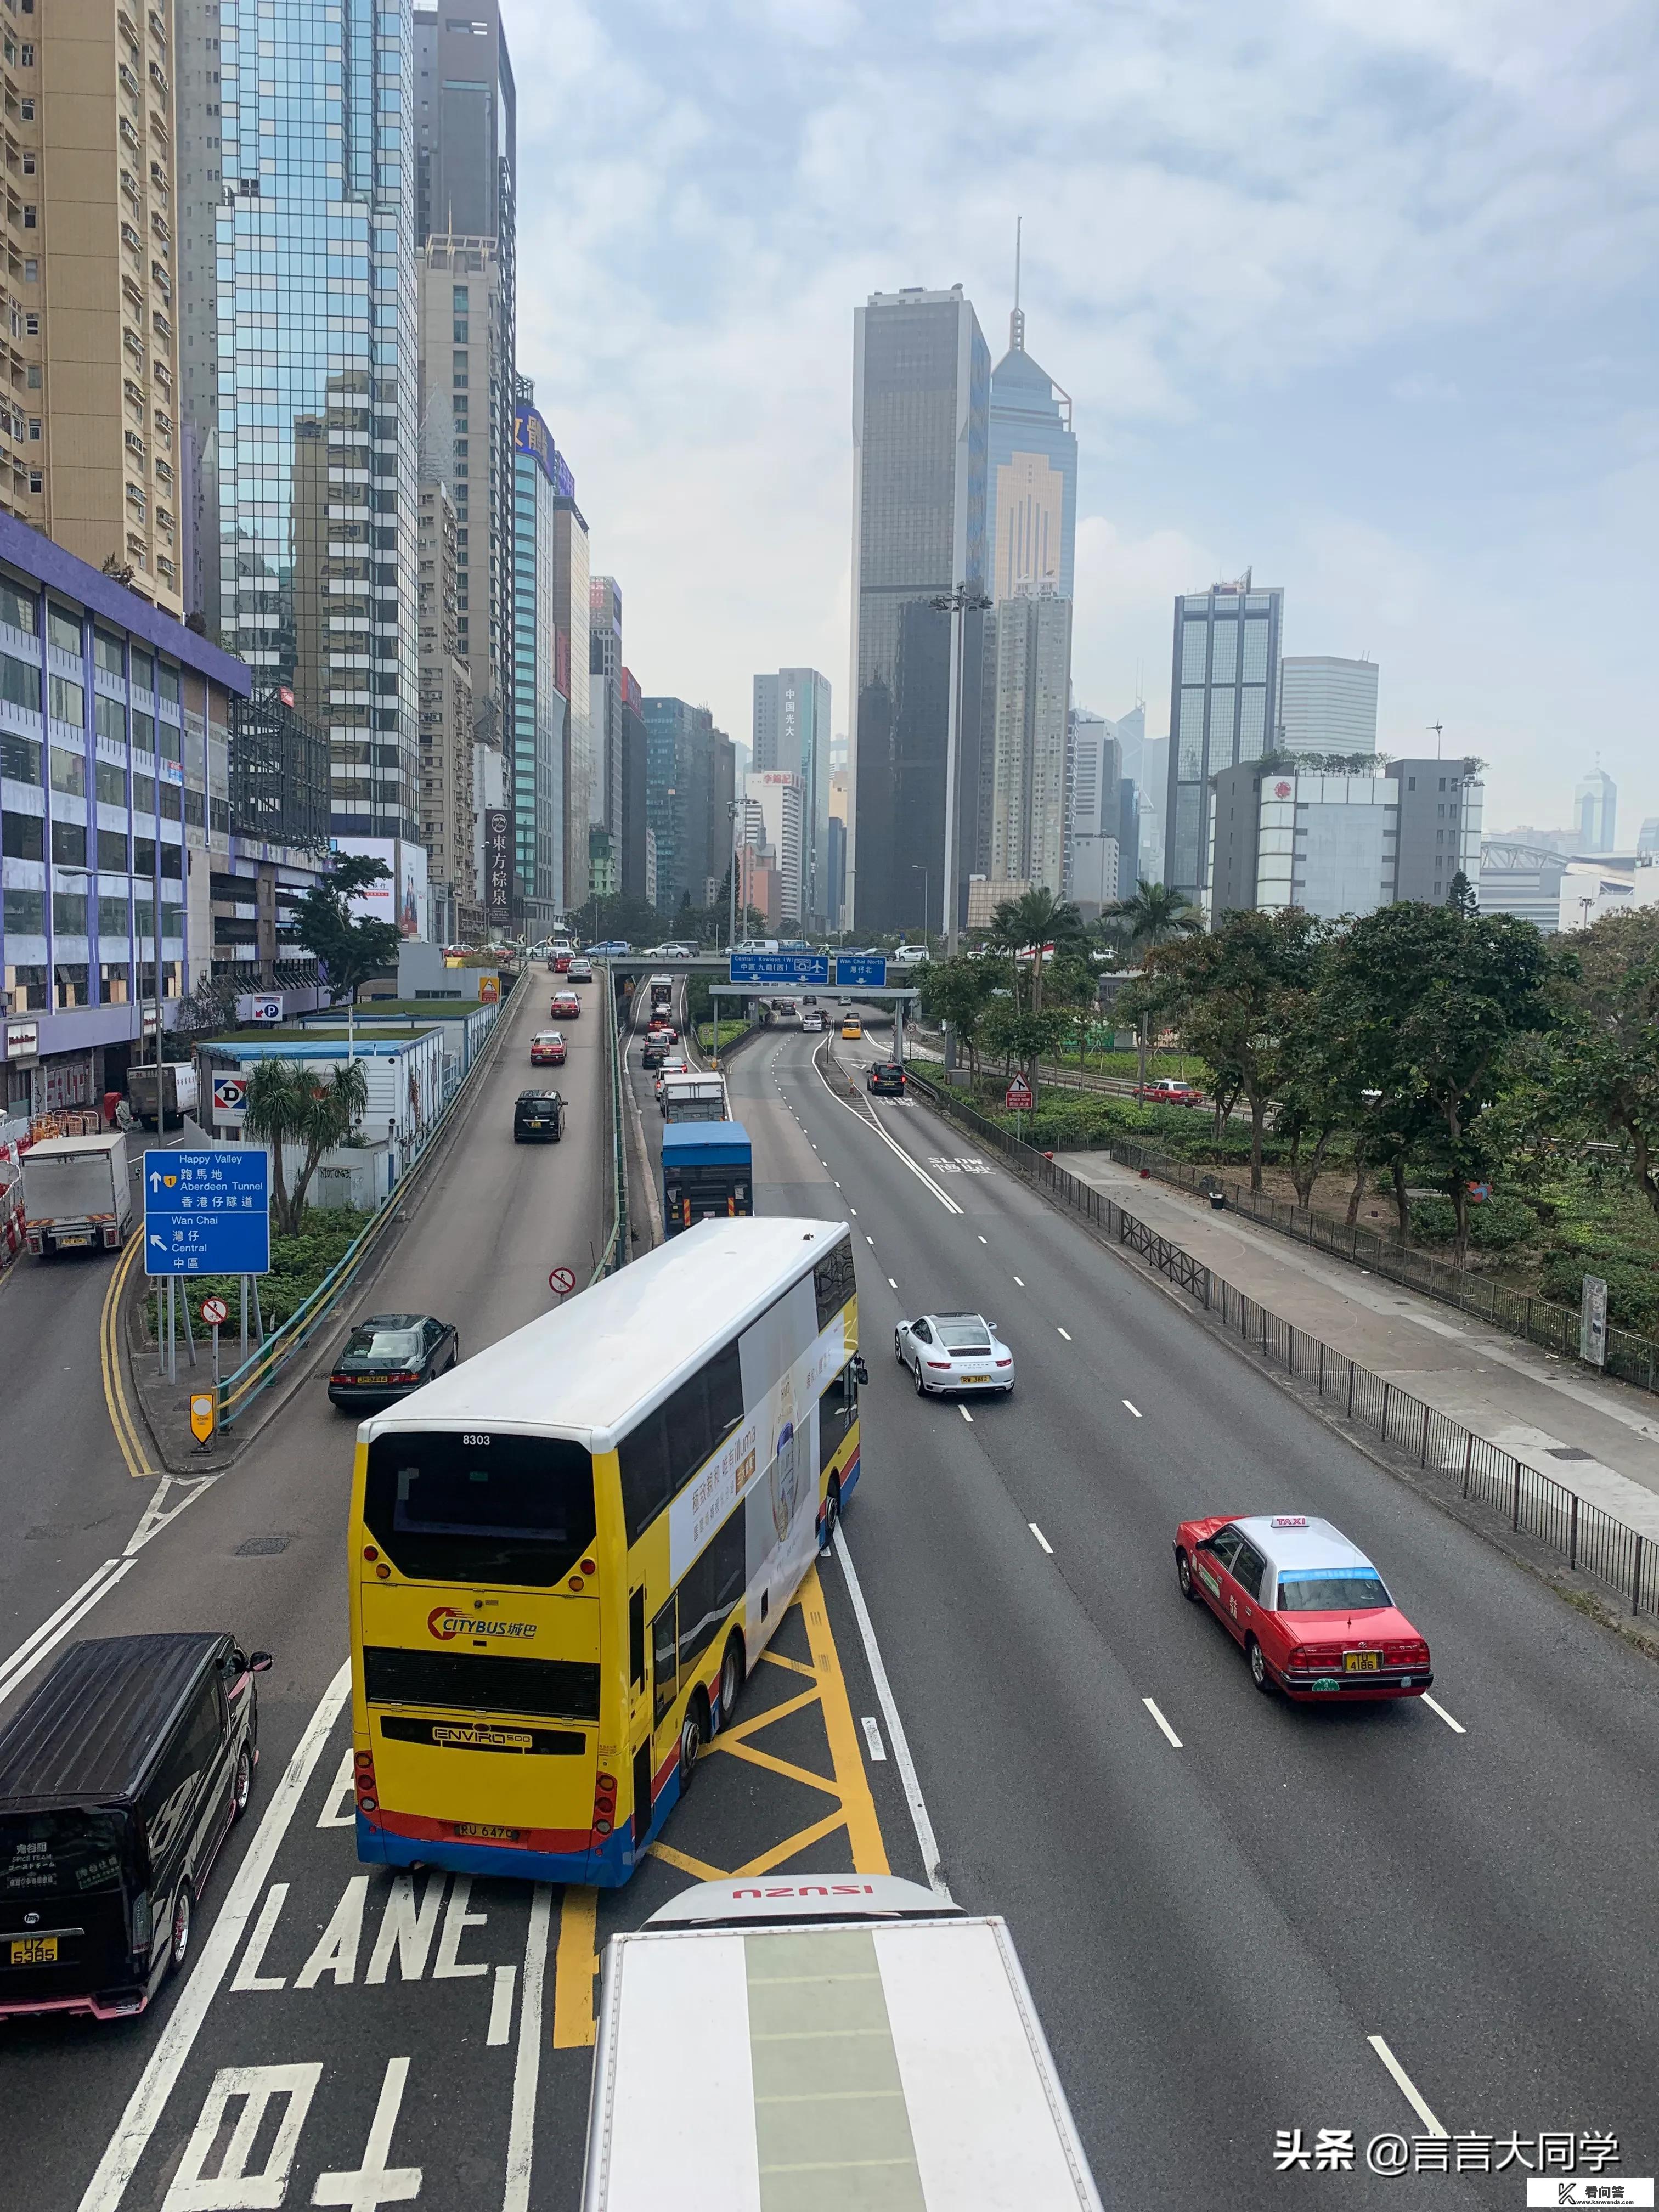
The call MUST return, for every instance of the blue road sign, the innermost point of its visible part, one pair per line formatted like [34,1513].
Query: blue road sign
[865,970]
[779,968]
[208,1213]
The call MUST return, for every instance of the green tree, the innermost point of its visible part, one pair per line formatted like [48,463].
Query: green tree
[1239,993]
[1152,914]
[959,992]
[1607,1065]
[351,950]
[1433,1002]
[1036,919]
[1022,1034]
[291,1104]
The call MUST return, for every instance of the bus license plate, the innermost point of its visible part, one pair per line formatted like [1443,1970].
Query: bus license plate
[1362,1662]
[34,1950]
[485,1833]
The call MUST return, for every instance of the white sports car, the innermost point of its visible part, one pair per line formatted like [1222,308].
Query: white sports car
[953,1351]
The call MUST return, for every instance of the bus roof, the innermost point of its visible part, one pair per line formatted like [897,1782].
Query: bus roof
[591,1370]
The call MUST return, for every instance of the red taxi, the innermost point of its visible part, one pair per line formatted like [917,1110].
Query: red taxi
[547,1050]
[1312,1613]
[1169,1090]
[566,1007]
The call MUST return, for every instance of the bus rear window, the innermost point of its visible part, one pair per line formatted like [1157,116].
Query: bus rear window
[480,1507]
[65,1854]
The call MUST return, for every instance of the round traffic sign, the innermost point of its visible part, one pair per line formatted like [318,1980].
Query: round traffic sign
[213,1310]
[562,1280]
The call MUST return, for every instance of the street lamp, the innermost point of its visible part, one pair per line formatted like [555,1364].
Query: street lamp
[965,599]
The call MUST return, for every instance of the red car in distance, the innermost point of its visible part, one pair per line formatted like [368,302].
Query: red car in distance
[1313,1614]
[547,1050]
[566,1007]
[1169,1090]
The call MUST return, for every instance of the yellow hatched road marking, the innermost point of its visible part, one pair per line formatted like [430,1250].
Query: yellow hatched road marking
[740,1731]
[797,1842]
[109,1358]
[863,1828]
[795,1666]
[574,1965]
[786,1767]
[686,1864]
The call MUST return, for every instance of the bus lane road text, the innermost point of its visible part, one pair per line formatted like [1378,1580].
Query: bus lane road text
[376,2038]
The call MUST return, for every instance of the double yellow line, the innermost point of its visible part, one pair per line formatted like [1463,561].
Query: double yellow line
[109,1356]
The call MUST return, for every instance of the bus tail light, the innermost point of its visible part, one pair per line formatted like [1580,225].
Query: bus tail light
[605,1804]
[368,1799]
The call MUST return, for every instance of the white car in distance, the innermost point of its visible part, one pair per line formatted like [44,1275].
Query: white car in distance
[954,1351]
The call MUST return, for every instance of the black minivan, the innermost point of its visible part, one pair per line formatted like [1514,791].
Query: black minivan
[119,1779]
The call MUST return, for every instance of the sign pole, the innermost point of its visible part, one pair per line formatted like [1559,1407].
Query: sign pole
[244,1286]
[259,1319]
[190,1332]
[173,1355]
[216,1355]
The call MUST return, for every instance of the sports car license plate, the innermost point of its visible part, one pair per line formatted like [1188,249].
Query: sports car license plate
[34,1950]
[1361,1662]
[975,1378]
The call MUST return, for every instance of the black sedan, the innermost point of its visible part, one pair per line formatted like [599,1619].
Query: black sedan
[537,1118]
[388,1355]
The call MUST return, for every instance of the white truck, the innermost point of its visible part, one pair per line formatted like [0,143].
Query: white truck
[77,1193]
[694,1097]
[825,2039]
[165,1093]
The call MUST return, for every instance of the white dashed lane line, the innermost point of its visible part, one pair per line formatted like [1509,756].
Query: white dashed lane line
[1020,1280]
[1407,2087]
[891,1285]
[870,1241]
[966,1415]
[873,1737]
[984,1240]
[1066,1333]
[1041,1538]
[1134,1409]
[1162,1722]
[1434,1706]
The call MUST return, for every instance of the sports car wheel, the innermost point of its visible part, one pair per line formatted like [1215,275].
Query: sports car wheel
[921,1387]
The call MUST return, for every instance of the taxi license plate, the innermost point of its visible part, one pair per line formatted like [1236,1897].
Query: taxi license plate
[64,1241]
[1361,1662]
[34,1950]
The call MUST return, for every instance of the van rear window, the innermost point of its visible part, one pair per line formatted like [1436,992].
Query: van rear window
[67,1854]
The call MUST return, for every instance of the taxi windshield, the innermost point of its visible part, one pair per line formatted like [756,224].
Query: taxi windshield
[1332,1590]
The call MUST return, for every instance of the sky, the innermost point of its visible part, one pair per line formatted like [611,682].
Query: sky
[1360,295]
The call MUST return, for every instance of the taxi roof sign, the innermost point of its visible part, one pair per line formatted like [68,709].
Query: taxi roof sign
[1289,1520]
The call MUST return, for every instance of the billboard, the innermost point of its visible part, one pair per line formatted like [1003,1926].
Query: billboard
[402,897]
[498,862]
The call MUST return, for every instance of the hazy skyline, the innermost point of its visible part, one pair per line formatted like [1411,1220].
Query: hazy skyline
[1356,296]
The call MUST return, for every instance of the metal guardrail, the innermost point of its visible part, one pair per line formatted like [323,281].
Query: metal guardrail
[615,1254]
[237,1391]
[1630,1357]
[1591,1540]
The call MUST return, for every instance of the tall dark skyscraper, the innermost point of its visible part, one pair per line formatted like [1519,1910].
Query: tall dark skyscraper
[921,390]
[1224,708]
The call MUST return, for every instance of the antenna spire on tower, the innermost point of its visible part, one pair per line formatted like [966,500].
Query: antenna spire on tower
[1017,319]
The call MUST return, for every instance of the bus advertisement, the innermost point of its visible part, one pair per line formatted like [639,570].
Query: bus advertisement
[568,1552]
[707,1174]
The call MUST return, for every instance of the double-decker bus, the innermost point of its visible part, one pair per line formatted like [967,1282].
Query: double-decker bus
[707,1174]
[567,1553]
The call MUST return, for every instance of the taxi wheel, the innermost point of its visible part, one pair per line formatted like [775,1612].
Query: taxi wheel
[242,1787]
[1184,1576]
[178,1928]
[1258,1674]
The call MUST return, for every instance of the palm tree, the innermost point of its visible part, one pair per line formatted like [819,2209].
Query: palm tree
[1151,915]
[290,1104]
[1036,919]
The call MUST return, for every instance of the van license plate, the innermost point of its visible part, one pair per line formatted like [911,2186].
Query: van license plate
[34,1950]
[1362,1662]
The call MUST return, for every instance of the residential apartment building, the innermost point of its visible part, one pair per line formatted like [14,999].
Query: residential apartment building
[1030,699]
[921,393]
[792,735]
[154,823]
[1326,705]
[89,444]
[541,680]
[447,806]
[313,413]
[1223,709]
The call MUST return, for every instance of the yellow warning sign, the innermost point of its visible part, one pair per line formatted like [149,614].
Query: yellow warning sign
[201,1415]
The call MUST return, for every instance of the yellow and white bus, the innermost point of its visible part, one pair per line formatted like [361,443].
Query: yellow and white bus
[565,1553]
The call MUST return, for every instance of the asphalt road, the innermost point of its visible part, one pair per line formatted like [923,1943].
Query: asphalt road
[1213,1933]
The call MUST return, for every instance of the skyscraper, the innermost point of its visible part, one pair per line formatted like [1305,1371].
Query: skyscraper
[1031,698]
[922,379]
[88,447]
[773,821]
[446,709]
[541,677]
[318,432]
[1595,811]
[690,769]
[1031,483]
[604,668]
[571,616]
[1097,868]
[1223,709]
[792,733]
[629,839]
[1326,705]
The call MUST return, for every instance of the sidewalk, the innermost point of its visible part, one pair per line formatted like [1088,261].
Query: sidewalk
[1595,1436]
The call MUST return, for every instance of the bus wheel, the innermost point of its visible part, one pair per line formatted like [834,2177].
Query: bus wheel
[731,1679]
[693,1731]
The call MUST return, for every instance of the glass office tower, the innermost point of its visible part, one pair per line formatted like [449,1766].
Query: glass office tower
[1224,708]
[922,390]
[318,440]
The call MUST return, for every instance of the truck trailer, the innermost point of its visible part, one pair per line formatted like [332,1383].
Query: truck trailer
[77,1193]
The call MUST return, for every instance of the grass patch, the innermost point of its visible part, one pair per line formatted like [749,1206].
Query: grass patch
[714,1038]
[298,1264]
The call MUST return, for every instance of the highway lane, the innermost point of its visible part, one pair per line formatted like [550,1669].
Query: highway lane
[1214,1933]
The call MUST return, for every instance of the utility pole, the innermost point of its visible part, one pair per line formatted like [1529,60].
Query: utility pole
[965,599]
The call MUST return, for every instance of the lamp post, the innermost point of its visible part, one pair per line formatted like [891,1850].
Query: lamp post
[965,599]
